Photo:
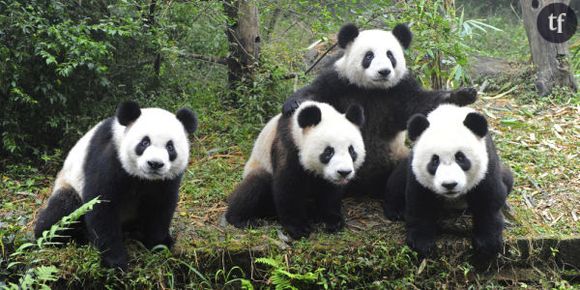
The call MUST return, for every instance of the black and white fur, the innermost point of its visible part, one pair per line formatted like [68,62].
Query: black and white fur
[453,165]
[134,162]
[373,73]
[298,168]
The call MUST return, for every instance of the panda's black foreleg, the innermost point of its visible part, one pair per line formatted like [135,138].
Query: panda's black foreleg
[488,223]
[156,211]
[105,232]
[394,195]
[507,178]
[421,217]
[329,208]
[252,199]
[289,192]
[61,203]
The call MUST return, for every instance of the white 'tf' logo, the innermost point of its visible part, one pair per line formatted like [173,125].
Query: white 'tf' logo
[558,19]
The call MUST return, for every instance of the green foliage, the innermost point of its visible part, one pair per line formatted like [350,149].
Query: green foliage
[282,278]
[438,55]
[61,60]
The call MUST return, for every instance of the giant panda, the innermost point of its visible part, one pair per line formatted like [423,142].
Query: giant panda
[372,73]
[134,162]
[453,165]
[298,169]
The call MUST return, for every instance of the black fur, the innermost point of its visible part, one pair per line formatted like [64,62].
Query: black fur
[417,124]
[144,206]
[296,197]
[309,116]
[127,112]
[355,114]
[476,123]
[403,34]
[421,208]
[386,114]
[188,119]
[347,34]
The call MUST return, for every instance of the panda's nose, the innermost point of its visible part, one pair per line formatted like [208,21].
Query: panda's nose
[155,164]
[385,72]
[449,185]
[344,173]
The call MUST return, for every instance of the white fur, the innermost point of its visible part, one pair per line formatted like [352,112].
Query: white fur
[261,153]
[161,127]
[349,66]
[72,173]
[445,136]
[333,130]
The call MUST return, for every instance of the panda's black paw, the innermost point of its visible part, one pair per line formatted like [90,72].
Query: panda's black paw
[463,96]
[334,226]
[115,261]
[298,232]
[289,107]
[486,251]
[425,247]
[393,214]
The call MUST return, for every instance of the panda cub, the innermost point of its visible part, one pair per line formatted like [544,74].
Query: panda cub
[134,161]
[372,73]
[298,169]
[453,164]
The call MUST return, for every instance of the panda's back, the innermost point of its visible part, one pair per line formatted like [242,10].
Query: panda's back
[72,173]
[261,157]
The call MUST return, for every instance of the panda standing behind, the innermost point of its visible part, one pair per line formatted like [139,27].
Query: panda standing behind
[134,162]
[453,164]
[373,74]
[298,169]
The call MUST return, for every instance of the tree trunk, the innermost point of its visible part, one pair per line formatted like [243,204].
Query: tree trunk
[244,42]
[550,59]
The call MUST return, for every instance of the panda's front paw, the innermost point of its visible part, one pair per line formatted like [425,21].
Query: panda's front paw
[289,107]
[335,225]
[425,247]
[298,231]
[463,96]
[115,261]
[486,250]
[393,214]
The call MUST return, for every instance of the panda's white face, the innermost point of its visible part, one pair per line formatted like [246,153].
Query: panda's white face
[154,147]
[448,158]
[333,148]
[374,60]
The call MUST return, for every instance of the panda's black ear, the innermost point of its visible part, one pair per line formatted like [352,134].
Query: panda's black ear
[309,116]
[128,112]
[347,33]
[355,114]
[403,35]
[476,123]
[416,126]
[188,119]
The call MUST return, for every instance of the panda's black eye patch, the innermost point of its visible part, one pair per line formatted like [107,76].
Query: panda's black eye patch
[433,164]
[367,59]
[326,155]
[145,142]
[171,150]
[462,161]
[392,58]
[352,153]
